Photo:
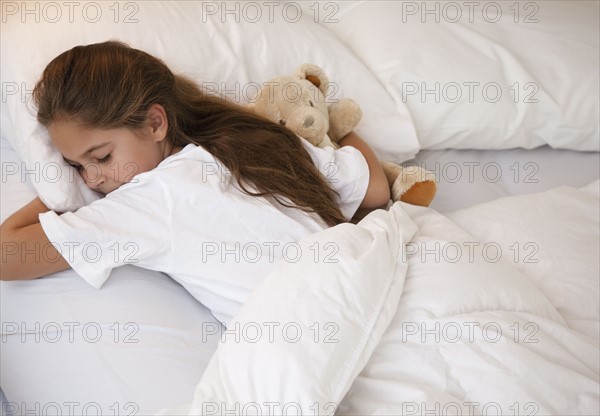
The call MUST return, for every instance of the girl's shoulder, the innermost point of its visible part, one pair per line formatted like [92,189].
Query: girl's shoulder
[176,171]
[190,152]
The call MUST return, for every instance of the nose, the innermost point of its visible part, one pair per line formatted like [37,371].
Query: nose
[309,121]
[92,176]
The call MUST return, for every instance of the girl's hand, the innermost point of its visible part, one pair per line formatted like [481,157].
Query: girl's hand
[26,251]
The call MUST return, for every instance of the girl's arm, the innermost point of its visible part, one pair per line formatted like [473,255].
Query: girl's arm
[26,251]
[378,192]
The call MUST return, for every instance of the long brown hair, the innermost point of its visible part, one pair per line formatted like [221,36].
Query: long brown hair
[111,85]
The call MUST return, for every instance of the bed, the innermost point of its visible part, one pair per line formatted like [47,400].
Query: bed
[486,302]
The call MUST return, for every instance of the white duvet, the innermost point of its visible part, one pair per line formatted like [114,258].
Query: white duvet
[489,310]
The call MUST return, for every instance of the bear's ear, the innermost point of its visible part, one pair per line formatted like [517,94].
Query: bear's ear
[315,75]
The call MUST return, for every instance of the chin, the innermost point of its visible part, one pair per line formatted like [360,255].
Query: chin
[118,186]
[106,191]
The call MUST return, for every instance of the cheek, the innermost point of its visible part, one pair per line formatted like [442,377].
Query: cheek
[143,162]
[127,170]
[133,156]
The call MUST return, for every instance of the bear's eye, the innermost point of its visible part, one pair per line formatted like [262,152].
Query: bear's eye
[282,122]
[311,103]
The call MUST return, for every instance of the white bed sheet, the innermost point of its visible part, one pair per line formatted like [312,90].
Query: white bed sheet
[469,177]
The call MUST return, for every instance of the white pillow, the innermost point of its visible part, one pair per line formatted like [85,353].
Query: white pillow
[227,47]
[542,57]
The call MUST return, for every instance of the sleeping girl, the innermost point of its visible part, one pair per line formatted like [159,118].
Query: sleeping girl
[194,186]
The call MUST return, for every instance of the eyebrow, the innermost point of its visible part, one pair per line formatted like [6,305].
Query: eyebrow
[90,150]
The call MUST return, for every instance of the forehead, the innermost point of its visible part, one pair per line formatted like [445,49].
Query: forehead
[66,132]
[73,139]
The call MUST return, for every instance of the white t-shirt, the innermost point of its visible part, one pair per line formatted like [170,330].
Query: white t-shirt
[188,218]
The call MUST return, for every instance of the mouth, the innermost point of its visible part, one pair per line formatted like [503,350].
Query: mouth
[105,190]
[99,191]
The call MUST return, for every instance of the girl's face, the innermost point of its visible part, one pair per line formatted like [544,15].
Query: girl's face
[109,158]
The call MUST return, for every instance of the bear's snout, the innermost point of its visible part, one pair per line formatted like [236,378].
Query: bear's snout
[309,121]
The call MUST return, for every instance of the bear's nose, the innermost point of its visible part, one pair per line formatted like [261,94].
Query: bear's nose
[309,121]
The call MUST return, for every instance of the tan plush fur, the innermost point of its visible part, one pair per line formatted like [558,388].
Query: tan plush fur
[299,102]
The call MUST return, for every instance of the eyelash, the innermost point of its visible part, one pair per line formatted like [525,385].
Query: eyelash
[105,159]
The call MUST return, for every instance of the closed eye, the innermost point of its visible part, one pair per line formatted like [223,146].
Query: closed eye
[75,165]
[104,159]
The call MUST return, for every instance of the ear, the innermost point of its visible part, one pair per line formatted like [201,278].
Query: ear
[315,75]
[157,122]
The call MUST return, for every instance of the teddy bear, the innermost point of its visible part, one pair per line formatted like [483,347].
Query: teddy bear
[298,102]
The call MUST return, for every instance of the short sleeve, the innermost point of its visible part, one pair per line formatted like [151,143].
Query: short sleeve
[346,170]
[127,226]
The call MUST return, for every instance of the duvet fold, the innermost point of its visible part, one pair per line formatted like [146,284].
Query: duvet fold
[413,312]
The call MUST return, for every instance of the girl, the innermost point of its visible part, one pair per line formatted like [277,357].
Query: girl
[195,186]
